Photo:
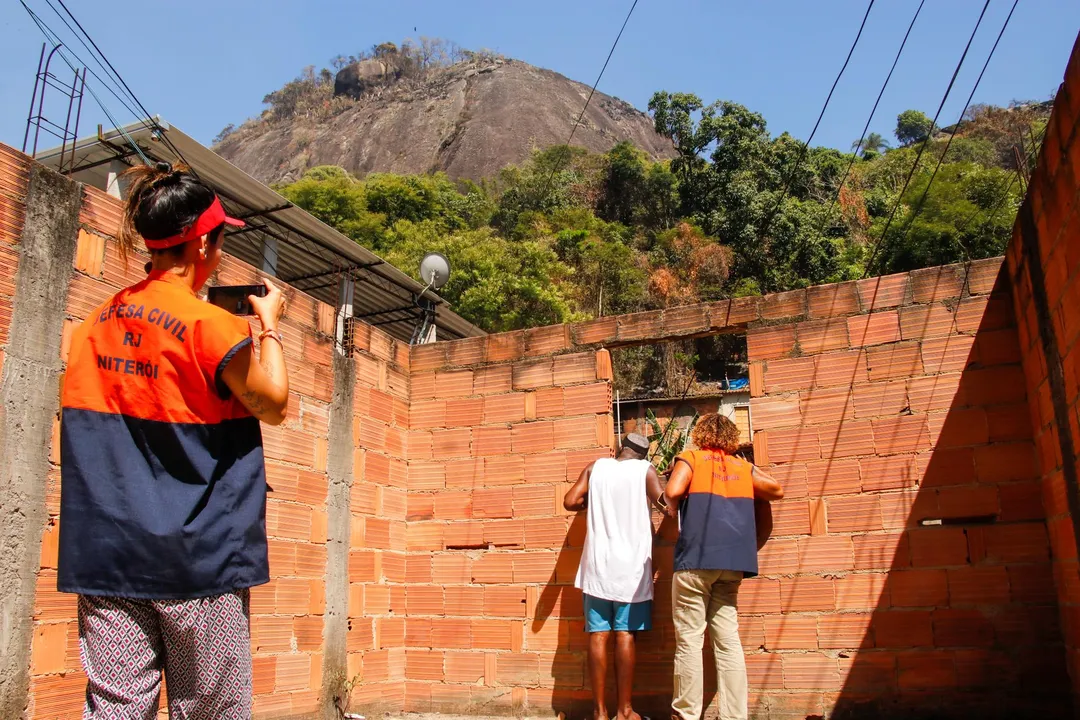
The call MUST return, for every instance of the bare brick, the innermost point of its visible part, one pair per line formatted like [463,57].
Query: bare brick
[766,343]
[641,326]
[546,340]
[505,346]
[778,306]
[806,593]
[840,368]
[861,591]
[827,405]
[880,399]
[885,292]
[902,434]
[788,374]
[918,588]
[818,336]
[937,283]
[686,320]
[600,330]
[492,380]
[893,361]
[833,300]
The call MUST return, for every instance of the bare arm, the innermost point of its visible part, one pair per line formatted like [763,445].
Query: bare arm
[765,486]
[263,387]
[653,489]
[763,522]
[678,484]
[577,497]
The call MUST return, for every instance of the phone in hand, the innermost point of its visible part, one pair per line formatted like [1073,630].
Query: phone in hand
[234,298]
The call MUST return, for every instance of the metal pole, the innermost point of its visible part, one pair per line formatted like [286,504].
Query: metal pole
[618,417]
[33,99]
[67,124]
[78,114]
[41,100]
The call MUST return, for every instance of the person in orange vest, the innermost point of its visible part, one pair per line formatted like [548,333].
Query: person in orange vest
[712,492]
[163,486]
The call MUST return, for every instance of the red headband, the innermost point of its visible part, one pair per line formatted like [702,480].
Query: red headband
[210,219]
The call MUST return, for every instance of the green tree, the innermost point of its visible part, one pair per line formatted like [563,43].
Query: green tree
[963,217]
[495,283]
[673,117]
[334,196]
[872,143]
[913,126]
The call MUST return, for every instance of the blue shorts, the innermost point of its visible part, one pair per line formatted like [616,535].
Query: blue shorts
[608,615]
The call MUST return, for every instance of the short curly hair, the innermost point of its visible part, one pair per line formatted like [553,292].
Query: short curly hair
[716,432]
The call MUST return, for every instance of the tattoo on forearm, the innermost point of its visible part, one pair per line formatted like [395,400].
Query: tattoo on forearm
[254,402]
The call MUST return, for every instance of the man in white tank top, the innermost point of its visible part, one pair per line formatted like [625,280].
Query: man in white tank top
[616,573]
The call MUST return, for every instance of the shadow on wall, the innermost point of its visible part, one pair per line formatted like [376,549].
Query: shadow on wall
[909,575]
[966,622]
[653,677]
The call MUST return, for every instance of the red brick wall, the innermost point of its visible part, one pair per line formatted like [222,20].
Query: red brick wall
[490,622]
[878,404]
[1043,260]
[907,405]
[378,564]
[287,613]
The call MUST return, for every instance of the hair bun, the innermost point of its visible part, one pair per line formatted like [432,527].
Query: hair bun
[168,175]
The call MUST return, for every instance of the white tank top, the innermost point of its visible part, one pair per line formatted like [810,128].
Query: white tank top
[616,563]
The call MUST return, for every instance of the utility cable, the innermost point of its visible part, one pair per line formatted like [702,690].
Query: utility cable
[926,191]
[873,110]
[892,214]
[55,40]
[581,115]
[806,146]
[144,119]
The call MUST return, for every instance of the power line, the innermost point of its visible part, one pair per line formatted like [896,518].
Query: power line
[925,144]
[606,61]
[1002,184]
[922,199]
[581,115]
[55,40]
[118,78]
[108,85]
[806,146]
[873,110]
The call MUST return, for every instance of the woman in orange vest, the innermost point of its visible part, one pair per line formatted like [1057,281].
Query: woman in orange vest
[163,488]
[712,492]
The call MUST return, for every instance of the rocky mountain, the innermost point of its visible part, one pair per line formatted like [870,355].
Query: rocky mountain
[470,120]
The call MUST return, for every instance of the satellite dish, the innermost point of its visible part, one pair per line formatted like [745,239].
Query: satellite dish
[435,270]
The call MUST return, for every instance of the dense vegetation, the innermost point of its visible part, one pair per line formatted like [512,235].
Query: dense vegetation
[571,234]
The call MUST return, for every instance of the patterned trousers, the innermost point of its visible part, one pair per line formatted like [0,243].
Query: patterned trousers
[202,645]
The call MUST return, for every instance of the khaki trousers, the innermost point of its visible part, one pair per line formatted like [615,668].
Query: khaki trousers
[700,599]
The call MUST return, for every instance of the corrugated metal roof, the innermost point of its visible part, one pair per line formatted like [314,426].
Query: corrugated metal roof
[311,255]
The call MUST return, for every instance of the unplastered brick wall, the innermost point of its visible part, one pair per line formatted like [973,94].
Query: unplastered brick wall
[498,426]
[895,401]
[287,614]
[378,564]
[879,404]
[1044,261]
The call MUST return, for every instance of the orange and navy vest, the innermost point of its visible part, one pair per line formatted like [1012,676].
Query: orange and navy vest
[716,517]
[163,487]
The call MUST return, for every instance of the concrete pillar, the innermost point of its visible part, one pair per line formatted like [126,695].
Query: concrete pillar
[113,185]
[339,470]
[345,312]
[29,402]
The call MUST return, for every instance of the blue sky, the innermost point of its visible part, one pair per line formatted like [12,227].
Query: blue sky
[203,64]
